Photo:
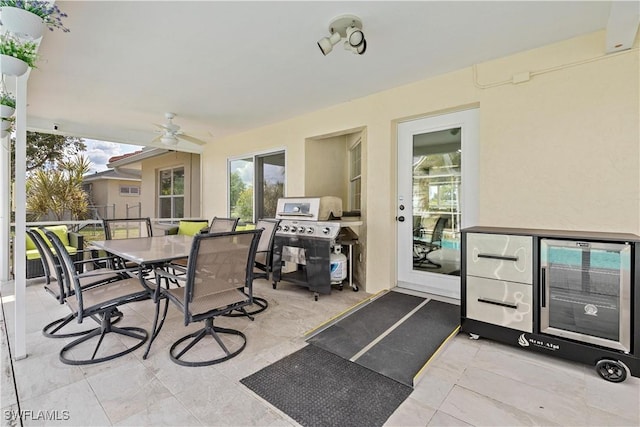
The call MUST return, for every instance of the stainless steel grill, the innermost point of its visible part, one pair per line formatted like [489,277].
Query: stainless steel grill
[303,241]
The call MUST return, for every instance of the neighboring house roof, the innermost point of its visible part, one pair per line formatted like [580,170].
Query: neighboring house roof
[121,175]
[135,157]
[124,156]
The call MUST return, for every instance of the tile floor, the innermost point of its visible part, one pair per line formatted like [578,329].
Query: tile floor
[478,383]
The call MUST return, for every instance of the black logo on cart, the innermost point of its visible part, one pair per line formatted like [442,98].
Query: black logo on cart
[523,341]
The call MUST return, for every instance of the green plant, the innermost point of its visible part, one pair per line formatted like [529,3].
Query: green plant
[49,12]
[26,51]
[7,99]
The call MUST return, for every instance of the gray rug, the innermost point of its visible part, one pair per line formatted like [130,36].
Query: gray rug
[318,388]
[406,349]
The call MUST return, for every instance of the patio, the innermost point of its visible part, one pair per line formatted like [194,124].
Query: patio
[468,382]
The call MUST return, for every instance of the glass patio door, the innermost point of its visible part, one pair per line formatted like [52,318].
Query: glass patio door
[437,197]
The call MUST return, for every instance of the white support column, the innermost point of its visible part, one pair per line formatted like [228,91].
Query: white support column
[5,207]
[19,244]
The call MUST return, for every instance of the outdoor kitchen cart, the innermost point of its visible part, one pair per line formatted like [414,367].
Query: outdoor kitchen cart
[574,295]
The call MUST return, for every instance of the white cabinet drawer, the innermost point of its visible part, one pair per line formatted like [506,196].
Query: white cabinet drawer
[500,303]
[500,256]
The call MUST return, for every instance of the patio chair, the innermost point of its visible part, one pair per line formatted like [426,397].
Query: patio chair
[126,228]
[218,280]
[55,285]
[262,266]
[99,302]
[219,225]
[422,248]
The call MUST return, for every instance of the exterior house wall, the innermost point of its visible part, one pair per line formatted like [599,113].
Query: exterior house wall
[106,192]
[559,151]
[150,171]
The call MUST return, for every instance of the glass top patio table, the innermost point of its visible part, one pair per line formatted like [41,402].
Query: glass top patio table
[148,250]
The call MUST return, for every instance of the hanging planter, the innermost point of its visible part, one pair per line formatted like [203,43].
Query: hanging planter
[6,125]
[7,104]
[28,18]
[6,111]
[21,22]
[16,55]
[11,66]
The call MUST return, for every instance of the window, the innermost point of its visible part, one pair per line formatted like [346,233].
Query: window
[171,193]
[355,177]
[265,174]
[129,190]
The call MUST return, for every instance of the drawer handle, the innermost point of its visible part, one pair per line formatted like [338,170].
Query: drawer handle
[500,303]
[501,257]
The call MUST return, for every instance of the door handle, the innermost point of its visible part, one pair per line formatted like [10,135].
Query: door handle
[400,218]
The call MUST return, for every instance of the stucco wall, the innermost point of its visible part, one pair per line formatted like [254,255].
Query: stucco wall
[150,168]
[559,151]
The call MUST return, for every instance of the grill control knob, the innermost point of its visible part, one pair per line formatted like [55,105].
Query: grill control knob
[278,228]
[301,229]
[285,228]
[293,228]
[325,230]
[310,230]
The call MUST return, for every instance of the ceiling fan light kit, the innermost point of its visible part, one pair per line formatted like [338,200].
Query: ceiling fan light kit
[171,133]
[347,27]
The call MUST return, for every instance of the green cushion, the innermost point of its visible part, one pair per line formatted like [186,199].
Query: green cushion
[191,228]
[60,230]
[34,254]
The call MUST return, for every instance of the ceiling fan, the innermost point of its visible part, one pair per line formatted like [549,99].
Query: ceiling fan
[171,133]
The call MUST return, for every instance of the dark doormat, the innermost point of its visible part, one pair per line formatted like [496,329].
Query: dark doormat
[318,388]
[395,335]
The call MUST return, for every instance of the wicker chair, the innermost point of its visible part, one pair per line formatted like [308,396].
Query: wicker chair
[74,243]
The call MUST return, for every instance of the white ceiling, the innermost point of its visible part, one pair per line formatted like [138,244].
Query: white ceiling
[226,67]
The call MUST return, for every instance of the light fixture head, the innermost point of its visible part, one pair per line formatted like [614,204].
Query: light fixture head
[355,36]
[326,43]
[169,140]
[345,26]
[359,50]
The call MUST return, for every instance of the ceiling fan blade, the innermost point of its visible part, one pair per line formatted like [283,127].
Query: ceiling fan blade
[156,139]
[192,139]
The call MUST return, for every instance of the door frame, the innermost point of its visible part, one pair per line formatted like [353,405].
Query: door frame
[468,120]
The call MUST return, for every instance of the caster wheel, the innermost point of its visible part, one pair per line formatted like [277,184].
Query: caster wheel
[315,297]
[355,288]
[274,285]
[474,336]
[611,370]
[340,288]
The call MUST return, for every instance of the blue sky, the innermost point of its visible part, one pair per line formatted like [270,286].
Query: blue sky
[99,152]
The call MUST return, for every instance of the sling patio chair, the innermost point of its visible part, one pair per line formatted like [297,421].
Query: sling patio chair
[99,302]
[219,225]
[262,266]
[218,280]
[422,247]
[55,284]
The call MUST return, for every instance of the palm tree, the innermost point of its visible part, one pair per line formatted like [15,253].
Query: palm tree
[59,190]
